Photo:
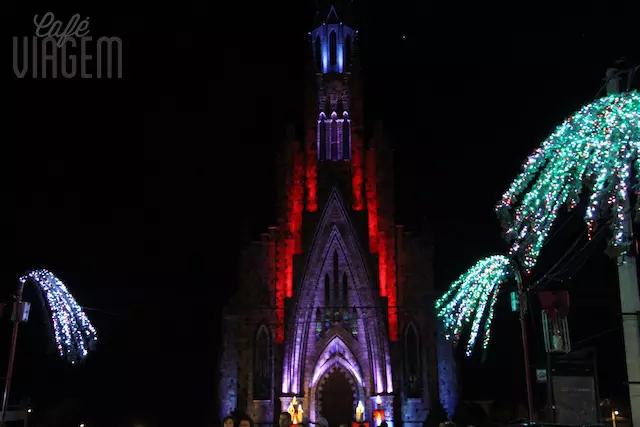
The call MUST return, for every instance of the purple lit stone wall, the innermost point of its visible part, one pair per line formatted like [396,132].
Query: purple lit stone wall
[228,386]
[303,349]
[387,406]
[447,374]
[414,411]
[302,364]
[262,412]
[285,401]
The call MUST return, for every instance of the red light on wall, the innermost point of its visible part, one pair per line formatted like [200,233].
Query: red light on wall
[284,279]
[298,200]
[311,171]
[289,238]
[372,199]
[290,246]
[357,172]
[280,287]
[392,292]
[392,299]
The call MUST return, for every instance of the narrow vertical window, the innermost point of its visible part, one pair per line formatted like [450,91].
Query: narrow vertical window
[322,137]
[413,373]
[345,291]
[333,47]
[346,137]
[327,300]
[327,291]
[262,366]
[334,137]
[336,281]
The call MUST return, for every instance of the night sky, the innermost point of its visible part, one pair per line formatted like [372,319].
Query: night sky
[139,192]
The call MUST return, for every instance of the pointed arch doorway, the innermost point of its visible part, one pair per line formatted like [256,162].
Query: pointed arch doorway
[337,397]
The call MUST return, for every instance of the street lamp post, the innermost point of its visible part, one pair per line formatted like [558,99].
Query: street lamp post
[12,352]
[629,298]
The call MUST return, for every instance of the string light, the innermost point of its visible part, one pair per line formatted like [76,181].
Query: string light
[74,334]
[467,298]
[592,150]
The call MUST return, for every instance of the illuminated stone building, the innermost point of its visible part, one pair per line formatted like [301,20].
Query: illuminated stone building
[335,301]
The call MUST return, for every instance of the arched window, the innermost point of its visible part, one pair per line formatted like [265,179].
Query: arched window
[333,48]
[346,137]
[347,51]
[412,371]
[336,281]
[327,291]
[345,291]
[318,52]
[322,137]
[334,137]
[262,366]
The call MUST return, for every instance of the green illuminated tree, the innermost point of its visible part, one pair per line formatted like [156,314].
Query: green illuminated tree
[594,154]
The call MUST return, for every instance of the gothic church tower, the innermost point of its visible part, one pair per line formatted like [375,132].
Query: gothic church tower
[334,305]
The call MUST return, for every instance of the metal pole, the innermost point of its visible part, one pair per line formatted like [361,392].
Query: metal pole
[12,352]
[525,346]
[629,299]
[630,304]
[596,380]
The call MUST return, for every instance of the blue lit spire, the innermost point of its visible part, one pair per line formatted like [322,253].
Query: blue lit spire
[332,43]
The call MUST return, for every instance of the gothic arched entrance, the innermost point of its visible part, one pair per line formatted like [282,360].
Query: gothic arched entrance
[329,393]
[337,398]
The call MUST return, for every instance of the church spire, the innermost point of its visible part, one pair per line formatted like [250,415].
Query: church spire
[342,9]
[332,17]
[332,41]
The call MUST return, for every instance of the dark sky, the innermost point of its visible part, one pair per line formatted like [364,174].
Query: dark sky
[138,192]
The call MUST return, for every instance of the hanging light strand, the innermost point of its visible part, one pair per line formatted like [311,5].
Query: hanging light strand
[470,298]
[74,334]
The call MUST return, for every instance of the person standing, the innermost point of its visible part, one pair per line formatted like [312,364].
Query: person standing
[229,421]
[285,420]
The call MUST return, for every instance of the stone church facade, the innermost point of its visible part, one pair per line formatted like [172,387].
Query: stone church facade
[337,292]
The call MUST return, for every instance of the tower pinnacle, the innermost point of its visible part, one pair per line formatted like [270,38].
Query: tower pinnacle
[333,43]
